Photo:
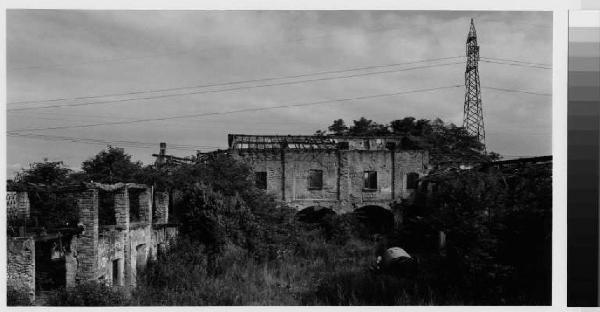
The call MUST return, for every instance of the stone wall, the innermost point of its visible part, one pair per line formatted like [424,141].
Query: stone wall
[110,249]
[161,207]
[17,205]
[141,248]
[21,265]
[113,254]
[87,245]
[343,175]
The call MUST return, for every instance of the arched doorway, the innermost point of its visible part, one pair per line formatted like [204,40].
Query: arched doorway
[313,214]
[375,218]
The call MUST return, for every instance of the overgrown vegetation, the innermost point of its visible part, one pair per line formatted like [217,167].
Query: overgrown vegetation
[238,246]
[90,294]
[435,135]
[15,297]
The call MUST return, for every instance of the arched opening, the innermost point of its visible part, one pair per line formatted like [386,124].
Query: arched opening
[313,214]
[375,218]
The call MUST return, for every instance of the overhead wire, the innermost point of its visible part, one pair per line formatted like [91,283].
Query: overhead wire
[242,110]
[483,59]
[270,107]
[250,81]
[123,143]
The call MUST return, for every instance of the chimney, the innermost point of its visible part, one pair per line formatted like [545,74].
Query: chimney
[160,160]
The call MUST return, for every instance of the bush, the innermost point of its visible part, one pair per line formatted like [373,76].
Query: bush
[368,288]
[498,227]
[89,294]
[16,298]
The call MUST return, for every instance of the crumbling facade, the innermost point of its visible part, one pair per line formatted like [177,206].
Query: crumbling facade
[339,173]
[96,250]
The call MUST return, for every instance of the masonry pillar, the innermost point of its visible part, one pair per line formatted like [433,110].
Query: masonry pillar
[121,201]
[87,249]
[344,181]
[161,207]
[23,205]
[21,266]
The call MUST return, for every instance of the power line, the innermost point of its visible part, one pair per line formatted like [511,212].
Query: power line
[270,107]
[516,61]
[240,110]
[517,91]
[515,64]
[484,59]
[108,142]
[230,89]
[219,84]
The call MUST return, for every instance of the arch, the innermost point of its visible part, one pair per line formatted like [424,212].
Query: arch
[376,218]
[313,214]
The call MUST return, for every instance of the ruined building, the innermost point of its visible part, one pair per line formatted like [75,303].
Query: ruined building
[118,228]
[341,173]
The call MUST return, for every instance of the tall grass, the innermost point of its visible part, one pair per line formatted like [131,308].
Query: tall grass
[182,277]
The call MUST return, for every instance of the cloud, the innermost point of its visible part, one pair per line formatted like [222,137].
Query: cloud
[57,54]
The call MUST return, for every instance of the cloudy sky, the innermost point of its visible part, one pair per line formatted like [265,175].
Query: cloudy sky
[79,80]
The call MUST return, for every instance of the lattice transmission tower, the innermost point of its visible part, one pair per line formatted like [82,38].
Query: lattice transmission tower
[473,113]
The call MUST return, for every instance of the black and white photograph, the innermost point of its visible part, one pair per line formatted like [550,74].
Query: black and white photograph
[279,157]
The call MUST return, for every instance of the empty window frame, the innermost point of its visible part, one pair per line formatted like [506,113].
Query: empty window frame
[116,273]
[260,180]
[135,214]
[315,179]
[370,180]
[412,181]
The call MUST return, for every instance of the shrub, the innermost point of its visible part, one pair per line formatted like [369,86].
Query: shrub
[367,288]
[16,298]
[89,294]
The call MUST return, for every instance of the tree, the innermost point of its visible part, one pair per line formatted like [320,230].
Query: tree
[365,126]
[112,165]
[338,127]
[403,126]
[47,172]
[49,209]
[320,133]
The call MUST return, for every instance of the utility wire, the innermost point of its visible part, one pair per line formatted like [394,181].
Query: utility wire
[515,61]
[241,110]
[517,91]
[271,107]
[484,59]
[230,89]
[514,64]
[109,142]
[219,84]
